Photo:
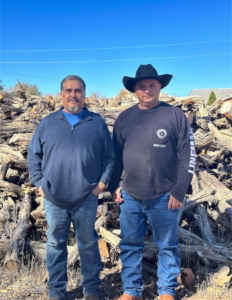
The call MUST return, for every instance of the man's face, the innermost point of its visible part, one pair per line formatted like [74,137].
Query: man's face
[73,96]
[147,91]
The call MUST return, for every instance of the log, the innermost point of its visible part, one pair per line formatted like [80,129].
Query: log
[201,218]
[35,249]
[12,187]
[18,163]
[8,130]
[8,108]
[203,140]
[202,123]
[195,184]
[103,248]
[221,123]
[189,252]
[212,109]
[204,118]
[39,215]
[4,168]
[191,239]
[227,132]
[21,139]
[219,156]
[109,237]
[9,151]
[189,100]
[224,141]
[226,110]
[15,251]
[222,172]
[204,195]
[223,194]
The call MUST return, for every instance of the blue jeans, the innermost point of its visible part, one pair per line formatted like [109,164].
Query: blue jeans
[83,217]
[134,214]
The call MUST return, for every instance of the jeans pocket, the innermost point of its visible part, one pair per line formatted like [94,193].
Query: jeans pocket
[166,197]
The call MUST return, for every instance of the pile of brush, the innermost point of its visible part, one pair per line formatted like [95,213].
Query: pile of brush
[205,220]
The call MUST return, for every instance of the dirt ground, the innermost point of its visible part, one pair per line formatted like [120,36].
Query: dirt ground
[29,283]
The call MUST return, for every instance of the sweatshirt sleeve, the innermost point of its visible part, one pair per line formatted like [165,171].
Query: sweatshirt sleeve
[35,156]
[107,157]
[118,148]
[187,158]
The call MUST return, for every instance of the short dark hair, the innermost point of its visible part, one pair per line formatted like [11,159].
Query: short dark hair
[72,77]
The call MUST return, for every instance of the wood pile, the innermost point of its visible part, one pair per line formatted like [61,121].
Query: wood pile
[205,220]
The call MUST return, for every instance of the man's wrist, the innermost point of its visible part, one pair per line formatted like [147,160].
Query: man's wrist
[102,185]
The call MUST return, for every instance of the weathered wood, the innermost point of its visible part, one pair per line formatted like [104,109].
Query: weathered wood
[225,141]
[222,172]
[201,218]
[190,115]
[221,123]
[8,130]
[8,108]
[195,184]
[20,117]
[12,187]
[109,237]
[5,149]
[20,139]
[226,110]
[4,168]
[190,238]
[36,249]
[203,140]
[222,193]
[189,252]
[15,251]
[103,248]
[39,215]
[18,163]
[5,218]
[219,156]
[204,195]
[227,132]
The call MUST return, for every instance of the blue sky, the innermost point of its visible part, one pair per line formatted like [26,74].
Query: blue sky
[54,25]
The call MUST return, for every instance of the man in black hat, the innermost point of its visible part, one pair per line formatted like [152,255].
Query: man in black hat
[154,145]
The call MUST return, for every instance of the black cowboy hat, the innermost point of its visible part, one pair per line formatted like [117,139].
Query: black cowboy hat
[146,72]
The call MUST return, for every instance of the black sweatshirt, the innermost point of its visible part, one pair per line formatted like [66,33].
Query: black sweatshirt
[155,148]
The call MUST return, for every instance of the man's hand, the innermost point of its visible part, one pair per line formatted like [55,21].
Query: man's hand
[41,192]
[97,191]
[174,203]
[117,196]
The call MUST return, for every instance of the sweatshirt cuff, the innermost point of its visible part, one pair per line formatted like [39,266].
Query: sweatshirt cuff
[38,183]
[113,187]
[177,194]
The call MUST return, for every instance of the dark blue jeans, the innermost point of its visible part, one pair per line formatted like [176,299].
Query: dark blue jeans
[134,215]
[83,217]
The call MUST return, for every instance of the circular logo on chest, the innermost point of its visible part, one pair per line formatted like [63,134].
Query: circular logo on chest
[161,133]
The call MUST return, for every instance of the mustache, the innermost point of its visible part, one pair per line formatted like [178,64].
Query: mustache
[71,99]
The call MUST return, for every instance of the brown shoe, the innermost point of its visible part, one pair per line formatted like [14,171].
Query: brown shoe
[128,297]
[167,297]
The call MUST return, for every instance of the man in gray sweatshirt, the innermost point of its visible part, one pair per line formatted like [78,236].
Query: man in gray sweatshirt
[154,145]
[70,160]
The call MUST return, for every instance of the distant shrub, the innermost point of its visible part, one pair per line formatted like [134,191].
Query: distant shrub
[30,89]
[96,96]
[212,98]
